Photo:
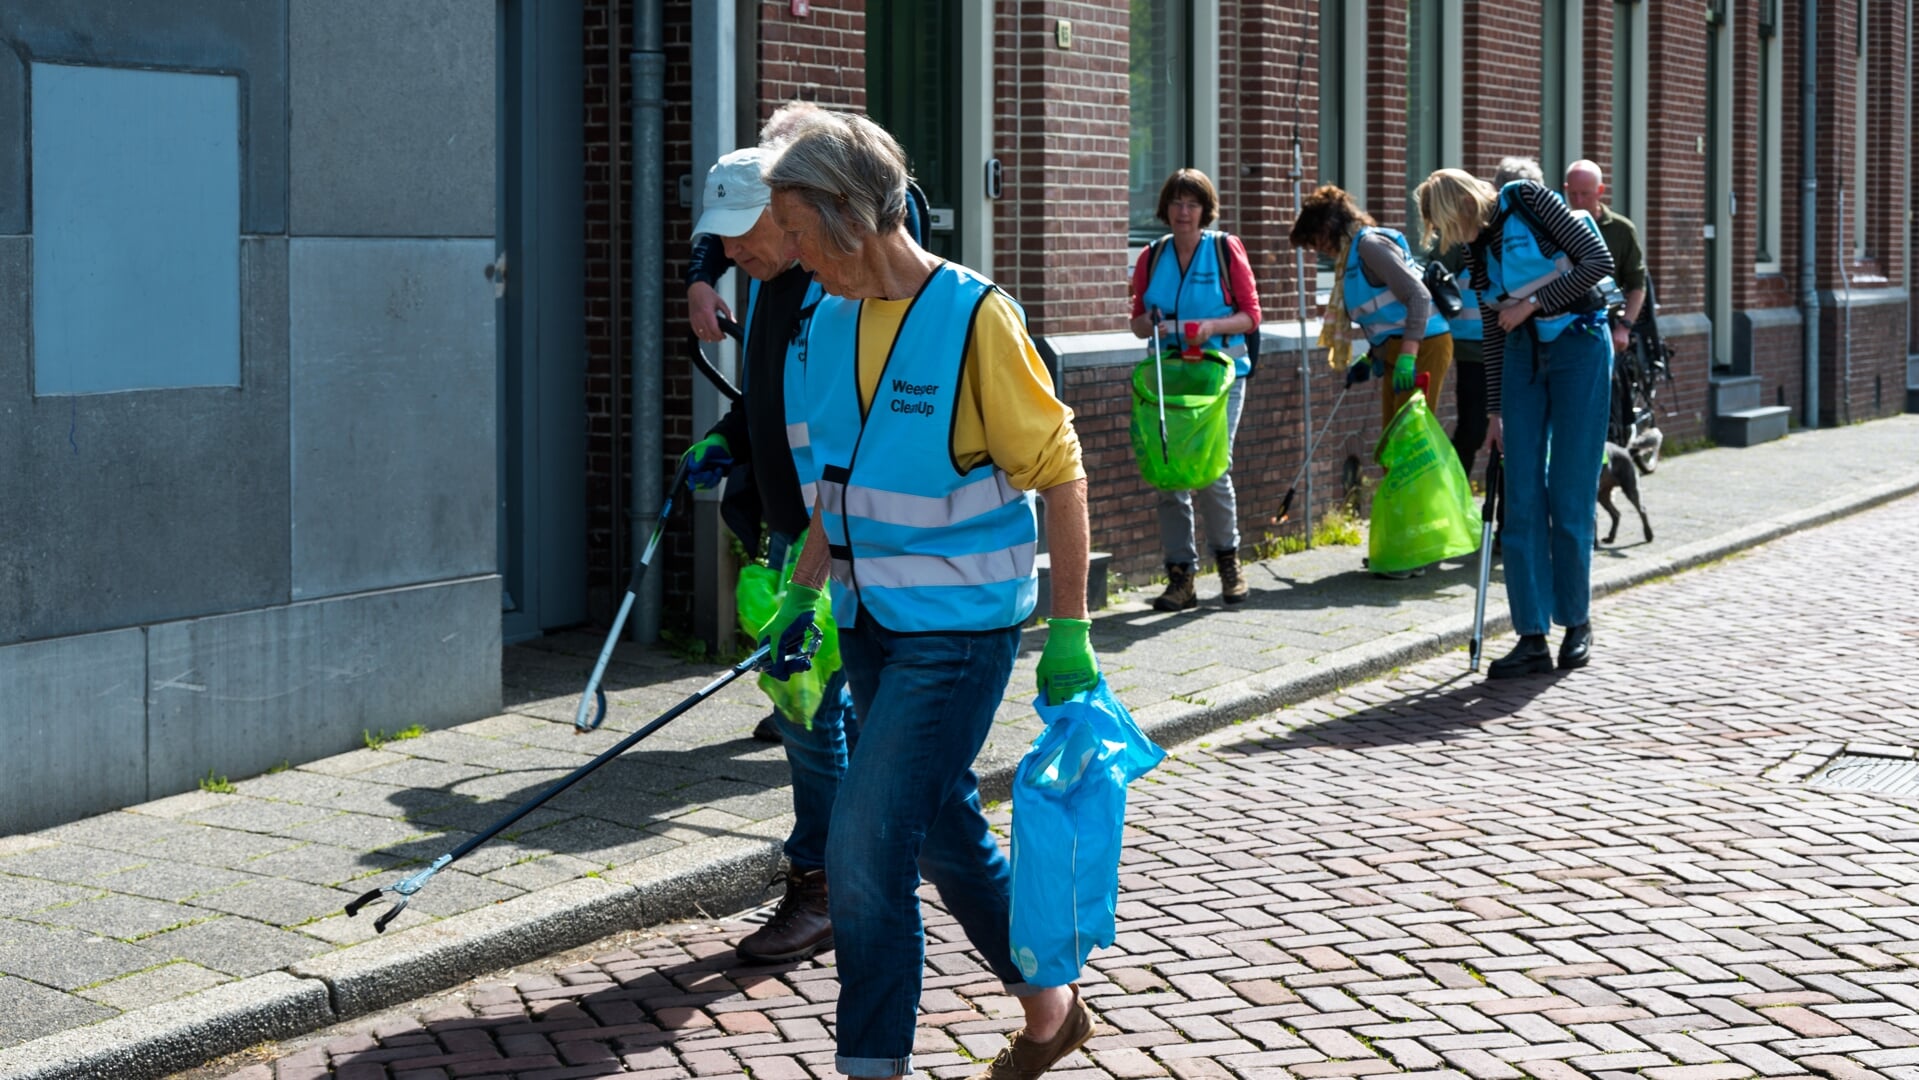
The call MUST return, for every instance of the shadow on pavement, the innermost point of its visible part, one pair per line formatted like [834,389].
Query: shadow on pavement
[1445,711]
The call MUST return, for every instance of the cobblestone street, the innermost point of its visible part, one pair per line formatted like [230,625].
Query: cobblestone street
[1631,870]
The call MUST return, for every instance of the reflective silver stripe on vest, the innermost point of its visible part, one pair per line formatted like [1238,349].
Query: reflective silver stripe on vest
[809,494]
[1561,267]
[841,571]
[920,571]
[797,435]
[1370,306]
[920,511]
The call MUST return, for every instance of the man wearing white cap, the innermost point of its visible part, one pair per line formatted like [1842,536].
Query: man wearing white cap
[754,432]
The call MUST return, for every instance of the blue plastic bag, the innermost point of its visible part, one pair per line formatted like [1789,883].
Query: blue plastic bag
[1069,807]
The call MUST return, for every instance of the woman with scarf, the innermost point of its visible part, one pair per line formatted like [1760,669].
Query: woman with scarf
[1377,286]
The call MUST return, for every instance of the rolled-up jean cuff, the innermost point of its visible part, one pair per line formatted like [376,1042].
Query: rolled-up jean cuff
[1026,989]
[873,1067]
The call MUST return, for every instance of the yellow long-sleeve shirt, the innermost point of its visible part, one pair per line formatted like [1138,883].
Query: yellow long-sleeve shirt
[1006,411]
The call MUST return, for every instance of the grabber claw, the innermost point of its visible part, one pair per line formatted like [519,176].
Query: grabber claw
[404,889]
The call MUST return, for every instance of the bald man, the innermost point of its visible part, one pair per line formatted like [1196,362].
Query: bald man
[1585,189]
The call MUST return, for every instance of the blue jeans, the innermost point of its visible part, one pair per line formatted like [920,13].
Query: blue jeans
[816,757]
[909,806]
[1555,435]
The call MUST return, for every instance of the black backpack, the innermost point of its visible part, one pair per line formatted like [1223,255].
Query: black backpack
[1225,286]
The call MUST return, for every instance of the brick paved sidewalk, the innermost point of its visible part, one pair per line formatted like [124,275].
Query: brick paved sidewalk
[1632,871]
[136,941]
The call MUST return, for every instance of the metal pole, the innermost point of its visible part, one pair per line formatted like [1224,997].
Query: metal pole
[1809,200]
[1298,173]
[649,300]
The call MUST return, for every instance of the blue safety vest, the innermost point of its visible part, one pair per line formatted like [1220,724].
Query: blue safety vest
[1467,327]
[1199,292]
[1372,305]
[916,542]
[793,383]
[1523,266]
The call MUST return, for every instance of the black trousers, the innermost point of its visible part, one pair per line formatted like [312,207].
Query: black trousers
[1469,395]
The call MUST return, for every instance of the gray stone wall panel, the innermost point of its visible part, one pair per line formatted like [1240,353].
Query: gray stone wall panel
[129,508]
[73,714]
[240,37]
[392,117]
[394,470]
[240,693]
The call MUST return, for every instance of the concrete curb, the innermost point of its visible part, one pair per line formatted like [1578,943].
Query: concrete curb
[723,874]
[175,1035]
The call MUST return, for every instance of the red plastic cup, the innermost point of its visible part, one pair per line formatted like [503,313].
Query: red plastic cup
[1191,339]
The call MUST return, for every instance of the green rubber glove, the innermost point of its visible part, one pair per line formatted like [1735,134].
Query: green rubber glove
[1403,376]
[786,632]
[1067,665]
[707,462]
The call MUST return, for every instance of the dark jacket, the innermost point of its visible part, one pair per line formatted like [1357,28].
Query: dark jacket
[755,426]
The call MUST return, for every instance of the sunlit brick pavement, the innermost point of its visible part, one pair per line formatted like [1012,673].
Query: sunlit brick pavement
[1633,870]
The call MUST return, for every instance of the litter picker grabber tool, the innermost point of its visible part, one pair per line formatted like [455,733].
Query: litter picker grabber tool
[404,889]
[1487,515]
[593,699]
[1159,385]
[719,381]
[1286,504]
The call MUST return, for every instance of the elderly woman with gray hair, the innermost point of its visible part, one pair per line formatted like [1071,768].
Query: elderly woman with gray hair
[930,420]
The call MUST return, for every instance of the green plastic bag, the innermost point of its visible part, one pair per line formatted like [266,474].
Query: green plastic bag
[1423,511]
[757,599]
[1198,447]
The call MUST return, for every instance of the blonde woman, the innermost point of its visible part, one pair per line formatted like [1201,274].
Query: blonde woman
[1548,360]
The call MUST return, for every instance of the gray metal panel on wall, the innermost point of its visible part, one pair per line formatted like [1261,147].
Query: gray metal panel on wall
[392,125]
[240,693]
[393,357]
[241,37]
[129,508]
[73,715]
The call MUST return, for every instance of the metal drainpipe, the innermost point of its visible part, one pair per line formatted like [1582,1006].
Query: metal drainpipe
[1809,200]
[648,70]
[616,354]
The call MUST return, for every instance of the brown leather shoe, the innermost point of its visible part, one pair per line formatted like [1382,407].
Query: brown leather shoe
[1024,1058]
[1179,594]
[1232,587]
[799,927]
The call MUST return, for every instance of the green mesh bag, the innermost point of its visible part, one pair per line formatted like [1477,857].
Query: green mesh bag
[757,599]
[1423,511]
[1198,447]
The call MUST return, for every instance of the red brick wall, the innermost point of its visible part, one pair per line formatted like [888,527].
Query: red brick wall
[1061,223]
[1501,71]
[1675,168]
[1596,113]
[817,57]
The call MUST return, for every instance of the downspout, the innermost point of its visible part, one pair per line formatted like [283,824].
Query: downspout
[616,354]
[1809,200]
[647,106]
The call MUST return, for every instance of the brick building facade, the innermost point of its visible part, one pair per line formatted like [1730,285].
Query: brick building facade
[1692,109]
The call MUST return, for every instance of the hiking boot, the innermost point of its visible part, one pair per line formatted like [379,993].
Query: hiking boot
[1529,657]
[768,729]
[1025,1059]
[799,926]
[1179,594]
[1232,587]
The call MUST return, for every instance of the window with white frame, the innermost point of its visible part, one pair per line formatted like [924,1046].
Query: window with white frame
[1771,70]
[1162,113]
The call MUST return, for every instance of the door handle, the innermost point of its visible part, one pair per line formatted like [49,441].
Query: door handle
[496,273]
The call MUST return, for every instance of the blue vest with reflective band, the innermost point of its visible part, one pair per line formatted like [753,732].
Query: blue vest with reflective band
[793,375]
[1467,326]
[1522,267]
[1374,307]
[916,543]
[1196,294]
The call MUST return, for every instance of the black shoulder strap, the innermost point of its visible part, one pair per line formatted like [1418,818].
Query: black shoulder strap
[1152,260]
[918,214]
[1225,271]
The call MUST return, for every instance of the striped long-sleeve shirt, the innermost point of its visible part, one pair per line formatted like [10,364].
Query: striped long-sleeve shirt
[1591,262]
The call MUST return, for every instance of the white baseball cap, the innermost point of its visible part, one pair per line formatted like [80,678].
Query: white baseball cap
[735,193]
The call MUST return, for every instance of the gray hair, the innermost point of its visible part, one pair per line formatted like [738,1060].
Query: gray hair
[788,121]
[1518,168]
[850,171]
